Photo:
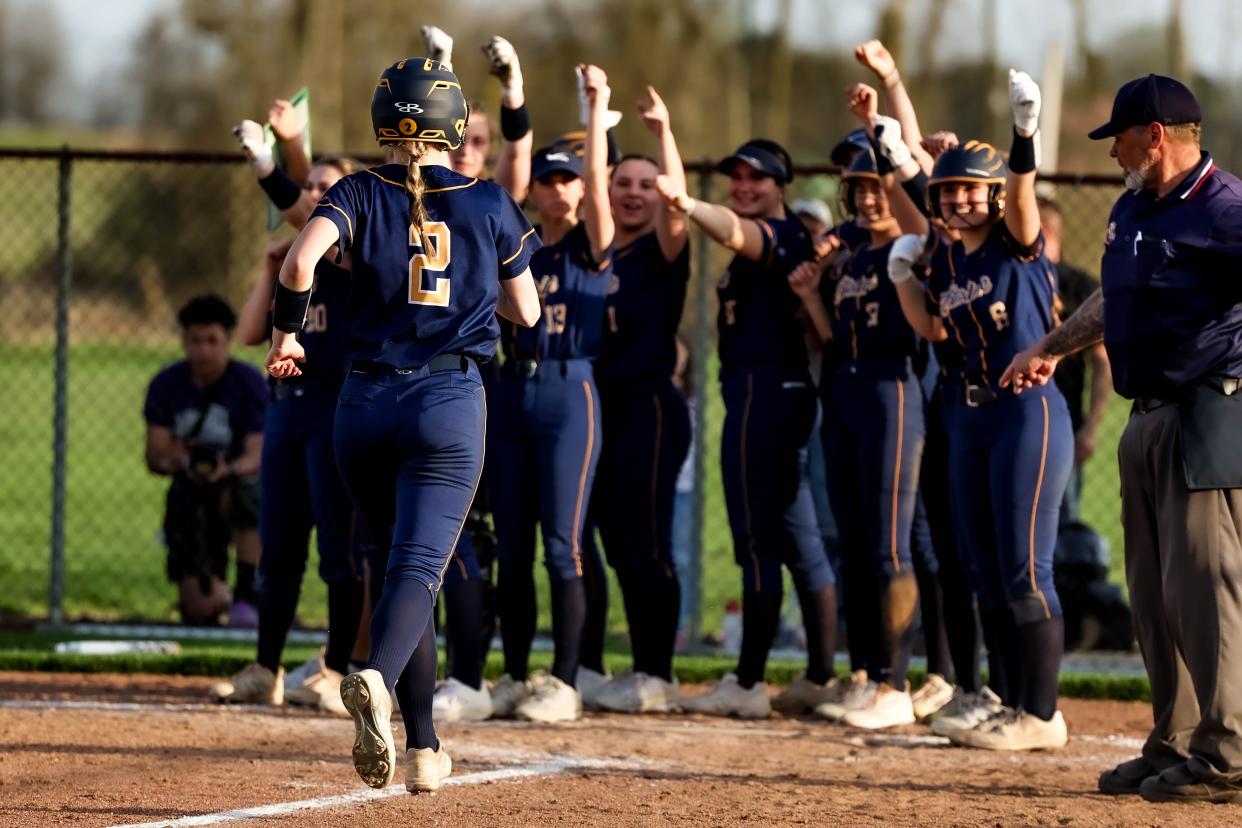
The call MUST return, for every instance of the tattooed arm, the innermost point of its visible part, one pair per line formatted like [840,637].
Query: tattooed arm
[1035,365]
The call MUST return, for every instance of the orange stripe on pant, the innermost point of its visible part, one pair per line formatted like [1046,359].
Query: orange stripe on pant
[576,540]
[901,413]
[1039,484]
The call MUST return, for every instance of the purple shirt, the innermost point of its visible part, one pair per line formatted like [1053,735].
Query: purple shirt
[235,406]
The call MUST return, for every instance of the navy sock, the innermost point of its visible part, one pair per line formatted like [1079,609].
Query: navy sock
[761,616]
[931,612]
[899,601]
[961,625]
[414,691]
[819,620]
[568,617]
[515,594]
[344,613]
[995,620]
[595,589]
[1041,644]
[275,617]
[463,601]
[663,613]
[861,603]
[397,624]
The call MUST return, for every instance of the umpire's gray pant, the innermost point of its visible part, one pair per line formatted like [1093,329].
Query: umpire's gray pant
[1184,569]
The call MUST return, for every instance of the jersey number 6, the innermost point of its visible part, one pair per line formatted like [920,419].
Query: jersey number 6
[435,257]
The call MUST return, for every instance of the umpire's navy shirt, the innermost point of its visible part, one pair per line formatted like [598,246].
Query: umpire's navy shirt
[1172,280]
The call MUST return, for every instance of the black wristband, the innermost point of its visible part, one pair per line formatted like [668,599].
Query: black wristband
[1022,156]
[289,313]
[514,123]
[614,149]
[281,190]
[916,188]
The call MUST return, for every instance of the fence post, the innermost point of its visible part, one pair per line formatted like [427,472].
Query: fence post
[702,341]
[56,579]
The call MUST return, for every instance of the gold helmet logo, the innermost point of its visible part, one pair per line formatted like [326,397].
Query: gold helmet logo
[407,126]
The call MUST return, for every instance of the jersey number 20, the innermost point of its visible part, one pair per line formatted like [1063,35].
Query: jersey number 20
[435,257]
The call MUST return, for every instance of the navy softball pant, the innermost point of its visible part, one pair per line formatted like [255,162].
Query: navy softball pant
[1009,462]
[543,456]
[410,449]
[769,414]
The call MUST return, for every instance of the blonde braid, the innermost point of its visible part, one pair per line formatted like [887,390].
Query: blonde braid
[414,184]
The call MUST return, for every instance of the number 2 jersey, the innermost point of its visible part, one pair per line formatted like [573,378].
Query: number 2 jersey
[995,302]
[415,297]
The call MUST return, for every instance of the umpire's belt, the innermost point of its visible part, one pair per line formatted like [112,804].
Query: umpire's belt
[1225,385]
[444,362]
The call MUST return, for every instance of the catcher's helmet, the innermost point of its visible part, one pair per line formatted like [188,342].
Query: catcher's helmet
[863,166]
[974,162]
[419,99]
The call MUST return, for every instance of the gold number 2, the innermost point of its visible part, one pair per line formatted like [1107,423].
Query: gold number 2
[437,258]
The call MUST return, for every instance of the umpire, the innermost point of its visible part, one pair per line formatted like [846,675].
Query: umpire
[1170,315]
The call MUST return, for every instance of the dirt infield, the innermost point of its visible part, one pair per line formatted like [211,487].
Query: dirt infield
[111,750]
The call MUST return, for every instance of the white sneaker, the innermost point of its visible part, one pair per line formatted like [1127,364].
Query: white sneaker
[803,695]
[589,683]
[965,711]
[1015,730]
[369,703]
[456,701]
[887,707]
[507,694]
[854,693]
[320,689]
[932,696]
[728,698]
[638,693]
[425,769]
[551,700]
[253,684]
[308,668]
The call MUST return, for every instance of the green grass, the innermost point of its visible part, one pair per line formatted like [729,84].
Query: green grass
[114,561]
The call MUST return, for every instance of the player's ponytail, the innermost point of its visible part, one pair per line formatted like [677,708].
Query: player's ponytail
[414,184]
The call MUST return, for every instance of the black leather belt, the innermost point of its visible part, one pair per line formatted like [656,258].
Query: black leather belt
[977,395]
[526,368]
[1225,385]
[444,362]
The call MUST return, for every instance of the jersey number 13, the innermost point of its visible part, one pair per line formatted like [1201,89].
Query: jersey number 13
[435,257]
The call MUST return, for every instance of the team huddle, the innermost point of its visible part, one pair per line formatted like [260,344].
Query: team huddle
[419,324]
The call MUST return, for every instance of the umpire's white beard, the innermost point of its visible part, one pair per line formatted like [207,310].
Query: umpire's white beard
[1141,177]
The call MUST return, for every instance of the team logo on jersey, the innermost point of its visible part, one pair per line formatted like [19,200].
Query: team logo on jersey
[409,108]
[548,285]
[850,288]
[958,295]
[1110,235]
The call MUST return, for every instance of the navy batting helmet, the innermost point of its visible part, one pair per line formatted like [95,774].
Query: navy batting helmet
[863,166]
[971,163]
[419,99]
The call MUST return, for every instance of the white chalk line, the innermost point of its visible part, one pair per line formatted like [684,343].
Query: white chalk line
[285,808]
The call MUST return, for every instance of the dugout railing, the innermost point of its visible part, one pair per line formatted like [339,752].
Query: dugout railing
[101,248]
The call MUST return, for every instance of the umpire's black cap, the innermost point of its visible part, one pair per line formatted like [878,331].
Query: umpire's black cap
[1155,99]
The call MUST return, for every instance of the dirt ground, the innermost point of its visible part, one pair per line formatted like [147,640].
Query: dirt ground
[109,750]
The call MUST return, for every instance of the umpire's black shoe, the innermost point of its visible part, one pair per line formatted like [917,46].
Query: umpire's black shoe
[1179,784]
[1127,777]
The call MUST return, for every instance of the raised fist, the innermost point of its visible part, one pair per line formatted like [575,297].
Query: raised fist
[504,62]
[863,101]
[285,120]
[1024,98]
[439,45]
[654,112]
[250,136]
[876,57]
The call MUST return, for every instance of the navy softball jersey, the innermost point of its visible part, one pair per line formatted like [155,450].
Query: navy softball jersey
[646,434]
[769,412]
[417,297]
[1009,456]
[545,450]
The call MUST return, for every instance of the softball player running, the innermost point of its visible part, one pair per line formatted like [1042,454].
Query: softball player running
[769,413]
[991,294]
[425,245]
[873,432]
[545,450]
[646,425]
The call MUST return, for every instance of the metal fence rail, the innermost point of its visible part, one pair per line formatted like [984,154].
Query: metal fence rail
[100,250]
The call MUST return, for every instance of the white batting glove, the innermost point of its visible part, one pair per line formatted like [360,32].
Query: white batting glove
[1024,99]
[249,135]
[888,136]
[439,45]
[906,251]
[611,116]
[504,64]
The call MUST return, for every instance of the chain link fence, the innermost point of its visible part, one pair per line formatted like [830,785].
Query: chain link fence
[103,248]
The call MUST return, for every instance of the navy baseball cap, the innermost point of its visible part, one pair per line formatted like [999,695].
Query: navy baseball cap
[557,158]
[849,146]
[759,159]
[1154,99]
